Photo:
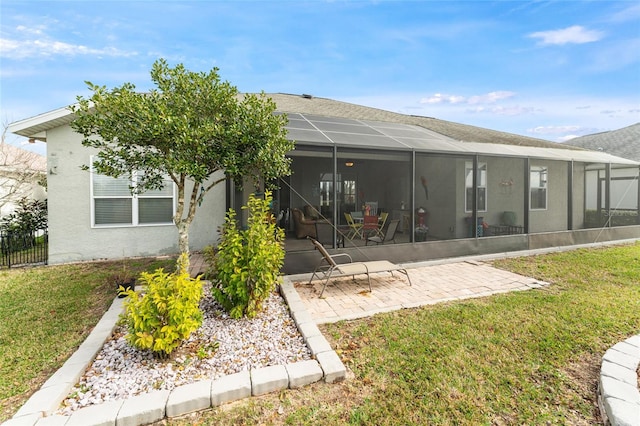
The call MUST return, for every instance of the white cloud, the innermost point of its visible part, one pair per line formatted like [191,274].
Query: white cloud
[627,15]
[567,137]
[42,46]
[553,130]
[502,110]
[491,97]
[31,30]
[488,98]
[439,98]
[563,133]
[575,34]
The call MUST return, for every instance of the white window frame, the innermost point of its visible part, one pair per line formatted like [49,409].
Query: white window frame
[483,175]
[539,182]
[134,198]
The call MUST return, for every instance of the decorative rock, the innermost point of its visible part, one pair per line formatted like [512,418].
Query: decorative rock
[119,371]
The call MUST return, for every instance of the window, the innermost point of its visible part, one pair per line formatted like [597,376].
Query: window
[326,188]
[538,187]
[349,191]
[481,200]
[114,205]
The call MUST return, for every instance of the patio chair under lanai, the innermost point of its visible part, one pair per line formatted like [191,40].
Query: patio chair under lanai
[389,235]
[355,229]
[370,226]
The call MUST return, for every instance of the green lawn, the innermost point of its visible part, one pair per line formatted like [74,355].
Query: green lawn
[45,313]
[520,358]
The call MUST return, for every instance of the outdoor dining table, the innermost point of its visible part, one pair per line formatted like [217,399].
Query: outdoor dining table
[360,219]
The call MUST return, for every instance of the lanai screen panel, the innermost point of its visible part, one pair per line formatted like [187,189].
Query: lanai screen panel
[372,141]
[316,129]
[361,133]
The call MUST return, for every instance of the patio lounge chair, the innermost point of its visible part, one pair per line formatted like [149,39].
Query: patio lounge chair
[327,267]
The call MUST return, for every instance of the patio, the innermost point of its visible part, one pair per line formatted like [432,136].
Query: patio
[432,282]
[346,299]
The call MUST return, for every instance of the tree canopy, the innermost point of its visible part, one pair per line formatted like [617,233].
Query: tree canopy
[188,128]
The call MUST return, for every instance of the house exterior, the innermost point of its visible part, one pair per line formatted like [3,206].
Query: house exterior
[625,191]
[623,142]
[88,213]
[475,190]
[21,176]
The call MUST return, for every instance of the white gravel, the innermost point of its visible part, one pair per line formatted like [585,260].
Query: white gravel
[120,371]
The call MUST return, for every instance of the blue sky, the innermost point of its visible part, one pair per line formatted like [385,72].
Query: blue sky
[547,69]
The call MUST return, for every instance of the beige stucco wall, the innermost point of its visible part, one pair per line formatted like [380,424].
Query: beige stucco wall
[554,217]
[71,236]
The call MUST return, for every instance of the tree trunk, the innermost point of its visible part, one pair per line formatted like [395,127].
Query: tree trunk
[183,238]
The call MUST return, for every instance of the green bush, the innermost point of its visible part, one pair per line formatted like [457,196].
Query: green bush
[248,262]
[167,313]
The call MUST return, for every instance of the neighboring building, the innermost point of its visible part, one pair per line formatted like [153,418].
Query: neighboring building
[477,190]
[623,142]
[625,191]
[22,174]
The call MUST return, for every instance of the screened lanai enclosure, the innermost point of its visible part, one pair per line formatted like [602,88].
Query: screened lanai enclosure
[444,197]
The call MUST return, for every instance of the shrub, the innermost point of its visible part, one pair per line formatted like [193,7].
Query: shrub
[29,216]
[21,229]
[248,262]
[167,313]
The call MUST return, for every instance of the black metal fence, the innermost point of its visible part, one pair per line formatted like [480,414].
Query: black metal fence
[19,248]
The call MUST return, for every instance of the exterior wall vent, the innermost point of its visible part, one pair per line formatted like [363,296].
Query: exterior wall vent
[307,96]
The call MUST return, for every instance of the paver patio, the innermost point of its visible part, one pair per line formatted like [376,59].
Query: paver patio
[345,298]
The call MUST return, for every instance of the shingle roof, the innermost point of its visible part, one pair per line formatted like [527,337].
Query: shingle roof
[36,127]
[623,142]
[461,132]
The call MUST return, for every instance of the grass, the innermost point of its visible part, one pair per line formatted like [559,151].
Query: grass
[518,358]
[45,313]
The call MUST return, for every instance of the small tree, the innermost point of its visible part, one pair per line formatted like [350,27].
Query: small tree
[191,127]
[20,228]
[29,216]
